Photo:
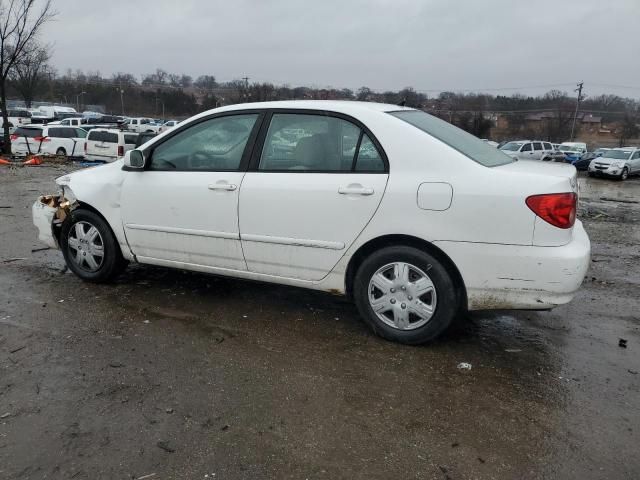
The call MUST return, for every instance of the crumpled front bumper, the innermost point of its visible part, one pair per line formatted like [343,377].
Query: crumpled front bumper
[48,212]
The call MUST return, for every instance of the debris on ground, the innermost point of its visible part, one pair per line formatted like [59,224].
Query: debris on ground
[166,447]
[5,415]
[622,343]
[464,366]
[632,372]
[512,350]
[621,200]
[11,260]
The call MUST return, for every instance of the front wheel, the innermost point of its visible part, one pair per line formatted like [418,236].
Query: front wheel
[90,249]
[624,174]
[406,295]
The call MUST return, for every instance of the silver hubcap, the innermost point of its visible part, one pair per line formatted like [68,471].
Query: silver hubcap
[402,296]
[85,246]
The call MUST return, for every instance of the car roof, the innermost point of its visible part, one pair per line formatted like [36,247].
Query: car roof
[113,130]
[344,106]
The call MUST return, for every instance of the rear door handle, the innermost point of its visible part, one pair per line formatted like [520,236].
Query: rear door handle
[355,190]
[222,186]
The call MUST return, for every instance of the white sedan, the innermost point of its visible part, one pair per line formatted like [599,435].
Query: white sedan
[413,218]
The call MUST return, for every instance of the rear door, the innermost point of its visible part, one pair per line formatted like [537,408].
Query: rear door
[537,151]
[635,162]
[102,145]
[26,140]
[311,189]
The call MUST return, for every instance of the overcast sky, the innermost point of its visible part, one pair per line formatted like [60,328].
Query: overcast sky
[384,44]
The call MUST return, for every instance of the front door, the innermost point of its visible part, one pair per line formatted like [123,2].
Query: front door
[183,207]
[309,193]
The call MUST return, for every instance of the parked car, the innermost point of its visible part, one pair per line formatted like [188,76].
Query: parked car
[528,150]
[141,124]
[573,150]
[427,222]
[19,116]
[617,162]
[582,164]
[168,125]
[56,112]
[108,145]
[55,139]
[144,137]
[600,151]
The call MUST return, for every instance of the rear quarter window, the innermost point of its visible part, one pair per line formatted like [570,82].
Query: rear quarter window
[130,139]
[28,132]
[465,143]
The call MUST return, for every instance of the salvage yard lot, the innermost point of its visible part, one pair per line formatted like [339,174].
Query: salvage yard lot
[184,375]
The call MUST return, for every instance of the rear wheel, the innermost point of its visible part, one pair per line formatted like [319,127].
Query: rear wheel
[61,152]
[405,295]
[90,248]
[624,174]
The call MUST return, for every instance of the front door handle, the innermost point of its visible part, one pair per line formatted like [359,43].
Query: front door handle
[355,190]
[222,186]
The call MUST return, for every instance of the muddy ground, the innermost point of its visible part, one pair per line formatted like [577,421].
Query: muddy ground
[168,374]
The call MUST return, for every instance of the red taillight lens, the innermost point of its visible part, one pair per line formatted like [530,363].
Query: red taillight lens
[120,151]
[558,209]
[41,139]
[13,137]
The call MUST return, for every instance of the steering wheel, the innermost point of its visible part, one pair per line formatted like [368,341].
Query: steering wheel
[203,159]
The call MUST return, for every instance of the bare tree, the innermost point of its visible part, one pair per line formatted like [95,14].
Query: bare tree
[20,23]
[29,73]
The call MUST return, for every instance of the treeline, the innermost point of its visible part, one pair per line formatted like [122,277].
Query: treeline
[179,95]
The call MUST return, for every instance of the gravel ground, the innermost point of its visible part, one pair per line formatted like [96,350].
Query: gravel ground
[168,374]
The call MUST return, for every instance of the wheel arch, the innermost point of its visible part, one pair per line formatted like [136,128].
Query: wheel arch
[86,206]
[407,240]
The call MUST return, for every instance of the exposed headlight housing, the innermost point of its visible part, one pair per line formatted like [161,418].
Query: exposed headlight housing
[617,164]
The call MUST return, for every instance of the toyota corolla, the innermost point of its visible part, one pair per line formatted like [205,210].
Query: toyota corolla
[414,219]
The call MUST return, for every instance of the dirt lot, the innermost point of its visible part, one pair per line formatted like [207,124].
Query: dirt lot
[168,374]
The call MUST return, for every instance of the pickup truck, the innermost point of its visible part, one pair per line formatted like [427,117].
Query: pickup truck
[141,125]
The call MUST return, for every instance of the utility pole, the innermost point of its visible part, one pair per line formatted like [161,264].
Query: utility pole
[246,88]
[121,98]
[575,115]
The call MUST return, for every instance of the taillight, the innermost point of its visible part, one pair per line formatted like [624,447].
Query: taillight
[120,151]
[13,137]
[558,209]
[41,139]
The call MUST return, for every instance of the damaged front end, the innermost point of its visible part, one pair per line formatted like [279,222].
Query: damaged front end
[49,213]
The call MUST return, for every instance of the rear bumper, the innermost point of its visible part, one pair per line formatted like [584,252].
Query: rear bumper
[521,277]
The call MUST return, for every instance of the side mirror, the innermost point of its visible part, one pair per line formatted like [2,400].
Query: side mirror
[134,159]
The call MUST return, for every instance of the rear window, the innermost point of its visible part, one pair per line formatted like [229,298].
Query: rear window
[456,138]
[19,113]
[28,132]
[130,139]
[106,137]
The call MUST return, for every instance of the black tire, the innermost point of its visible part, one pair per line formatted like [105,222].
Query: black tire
[447,307]
[61,152]
[624,174]
[112,262]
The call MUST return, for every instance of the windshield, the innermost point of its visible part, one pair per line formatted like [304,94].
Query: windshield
[617,154]
[464,142]
[512,146]
[569,148]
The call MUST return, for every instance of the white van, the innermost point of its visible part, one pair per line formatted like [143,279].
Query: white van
[53,140]
[56,111]
[108,144]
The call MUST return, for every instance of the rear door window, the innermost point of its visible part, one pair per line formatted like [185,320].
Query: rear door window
[57,132]
[298,142]
[130,139]
[537,146]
